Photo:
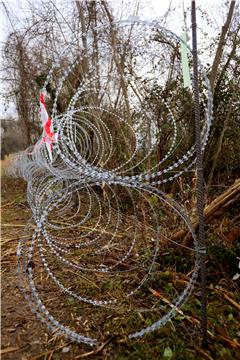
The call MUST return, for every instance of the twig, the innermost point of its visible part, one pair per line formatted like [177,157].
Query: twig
[95,352]
[83,277]
[204,353]
[233,343]
[88,228]
[8,204]
[17,225]
[234,303]
[4,241]
[9,349]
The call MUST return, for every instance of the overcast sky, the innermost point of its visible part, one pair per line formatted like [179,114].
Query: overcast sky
[149,9]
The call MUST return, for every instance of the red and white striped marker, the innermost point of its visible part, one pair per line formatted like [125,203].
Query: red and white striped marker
[48,136]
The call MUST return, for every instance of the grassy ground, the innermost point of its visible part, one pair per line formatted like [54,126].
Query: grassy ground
[25,337]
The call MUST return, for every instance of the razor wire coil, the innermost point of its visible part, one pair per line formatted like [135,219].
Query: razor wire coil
[64,195]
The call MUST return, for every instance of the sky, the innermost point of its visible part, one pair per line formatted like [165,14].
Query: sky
[149,9]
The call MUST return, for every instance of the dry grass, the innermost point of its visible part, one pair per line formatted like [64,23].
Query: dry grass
[24,337]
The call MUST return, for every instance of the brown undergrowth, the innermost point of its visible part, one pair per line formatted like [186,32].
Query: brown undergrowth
[25,337]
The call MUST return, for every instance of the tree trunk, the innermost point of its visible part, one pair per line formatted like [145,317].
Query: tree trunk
[223,202]
[221,45]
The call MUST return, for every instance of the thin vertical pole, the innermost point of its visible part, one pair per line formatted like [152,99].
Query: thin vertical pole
[199,185]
